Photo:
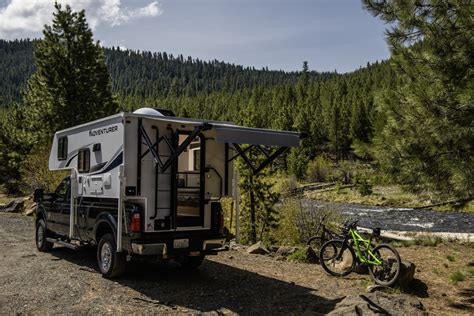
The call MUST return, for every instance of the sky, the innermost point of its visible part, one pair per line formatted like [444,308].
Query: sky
[278,34]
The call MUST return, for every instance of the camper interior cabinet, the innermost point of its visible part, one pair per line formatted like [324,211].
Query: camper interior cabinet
[149,185]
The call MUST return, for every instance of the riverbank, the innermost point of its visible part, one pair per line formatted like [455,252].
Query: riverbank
[384,196]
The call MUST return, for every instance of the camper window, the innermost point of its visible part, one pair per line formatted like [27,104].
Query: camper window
[84,160]
[62,148]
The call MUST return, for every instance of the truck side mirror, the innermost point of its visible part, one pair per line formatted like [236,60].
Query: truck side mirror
[38,195]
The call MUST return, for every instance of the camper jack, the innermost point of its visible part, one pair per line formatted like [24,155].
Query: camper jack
[147,185]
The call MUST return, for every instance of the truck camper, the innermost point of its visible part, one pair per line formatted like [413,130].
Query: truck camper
[147,184]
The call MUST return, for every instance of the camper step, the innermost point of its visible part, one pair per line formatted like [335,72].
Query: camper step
[63,243]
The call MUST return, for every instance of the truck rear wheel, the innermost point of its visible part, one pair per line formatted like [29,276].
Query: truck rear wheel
[111,263]
[41,243]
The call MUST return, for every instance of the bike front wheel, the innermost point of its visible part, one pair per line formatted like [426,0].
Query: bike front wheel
[337,258]
[386,273]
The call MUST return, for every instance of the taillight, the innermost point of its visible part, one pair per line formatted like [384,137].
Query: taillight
[135,223]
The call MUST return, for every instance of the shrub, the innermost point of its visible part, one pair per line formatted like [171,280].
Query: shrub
[298,223]
[287,185]
[319,169]
[362,185]
[298,256]
[456,277]
[35,172]
[427,240]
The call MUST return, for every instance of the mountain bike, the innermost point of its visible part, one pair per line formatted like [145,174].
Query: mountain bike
[340,256]
[319,239]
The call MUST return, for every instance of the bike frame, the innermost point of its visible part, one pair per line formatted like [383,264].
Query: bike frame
[370,258]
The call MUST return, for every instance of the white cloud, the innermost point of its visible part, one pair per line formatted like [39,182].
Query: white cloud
[21,18]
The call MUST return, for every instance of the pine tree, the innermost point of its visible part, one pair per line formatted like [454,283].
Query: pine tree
[71,84]
[427,143]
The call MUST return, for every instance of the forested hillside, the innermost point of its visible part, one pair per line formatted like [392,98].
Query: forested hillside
[146,74]
[336,110]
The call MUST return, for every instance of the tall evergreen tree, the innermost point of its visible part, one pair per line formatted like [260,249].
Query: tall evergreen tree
[428,138]
[71,84]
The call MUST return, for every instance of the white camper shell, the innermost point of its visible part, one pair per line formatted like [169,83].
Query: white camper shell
[173,168]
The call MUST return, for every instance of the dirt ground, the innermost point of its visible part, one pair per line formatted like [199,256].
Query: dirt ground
[67,281]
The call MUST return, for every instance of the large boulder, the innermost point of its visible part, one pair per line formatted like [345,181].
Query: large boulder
[378,303]
[407,272]
[258,249]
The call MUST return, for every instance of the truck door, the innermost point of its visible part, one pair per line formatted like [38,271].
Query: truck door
[61,206]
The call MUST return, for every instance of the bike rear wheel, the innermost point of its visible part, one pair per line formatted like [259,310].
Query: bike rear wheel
[316,243]
[337,258]
[387,272]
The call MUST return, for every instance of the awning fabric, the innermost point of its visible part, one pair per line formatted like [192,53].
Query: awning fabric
[256,136]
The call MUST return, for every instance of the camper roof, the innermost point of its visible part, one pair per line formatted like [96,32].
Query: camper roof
[226,132]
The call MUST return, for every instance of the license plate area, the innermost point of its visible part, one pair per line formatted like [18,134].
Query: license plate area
[180,243]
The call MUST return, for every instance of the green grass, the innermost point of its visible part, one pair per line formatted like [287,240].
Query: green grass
[436,270]
[456,277]
[450,258]
[425,240]
[298,256]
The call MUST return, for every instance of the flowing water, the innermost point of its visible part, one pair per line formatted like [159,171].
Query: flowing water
[401,219]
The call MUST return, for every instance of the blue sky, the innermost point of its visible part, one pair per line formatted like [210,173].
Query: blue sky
[281,34]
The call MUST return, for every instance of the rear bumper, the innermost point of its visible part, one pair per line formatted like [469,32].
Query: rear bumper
[165,249]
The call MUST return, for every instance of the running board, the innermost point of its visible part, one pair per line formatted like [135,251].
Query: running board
[63,243]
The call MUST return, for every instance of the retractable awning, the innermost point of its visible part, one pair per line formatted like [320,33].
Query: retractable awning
[256,136]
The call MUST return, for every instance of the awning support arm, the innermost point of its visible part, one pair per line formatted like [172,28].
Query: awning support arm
[269,160]
[266,162]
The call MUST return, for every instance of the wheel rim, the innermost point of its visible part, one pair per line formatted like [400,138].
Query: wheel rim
[39,236]
[387,272]
[106,257]
[336,265]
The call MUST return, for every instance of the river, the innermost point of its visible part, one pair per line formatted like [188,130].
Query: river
[400,219]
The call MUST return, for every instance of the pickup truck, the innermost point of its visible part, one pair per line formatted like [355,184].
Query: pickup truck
[96,224]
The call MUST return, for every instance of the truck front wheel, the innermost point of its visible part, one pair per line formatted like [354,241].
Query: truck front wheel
[41,243]
[111,263]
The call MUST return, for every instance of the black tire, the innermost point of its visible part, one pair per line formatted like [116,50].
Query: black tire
[336,262]
[192,263]
[111,263]
[41,234]
[387,273]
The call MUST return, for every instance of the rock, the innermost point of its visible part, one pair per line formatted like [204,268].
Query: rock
[378,303]
[258,249]
[31,210]
[407,272]
[284,251]
[309,255]
[273,248]
[14,206]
